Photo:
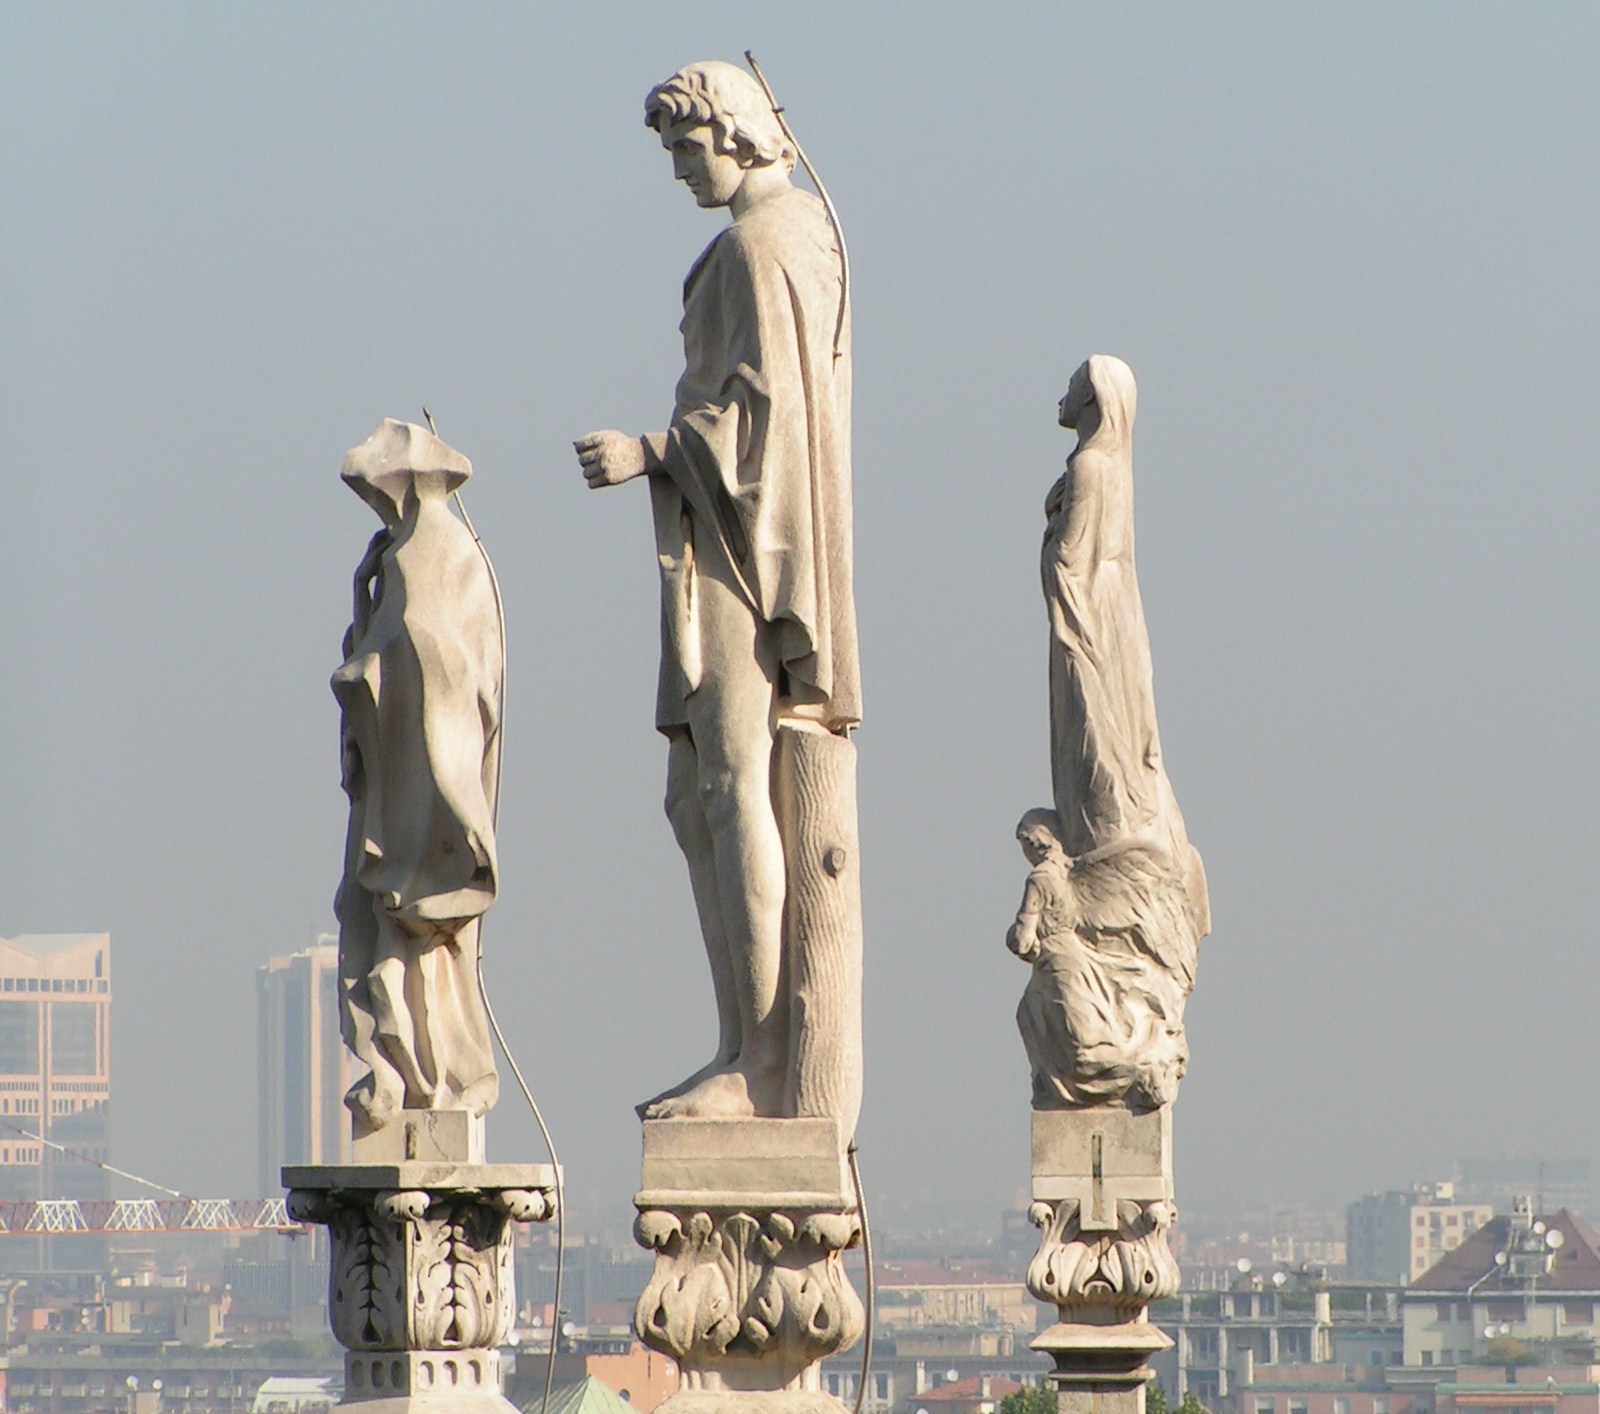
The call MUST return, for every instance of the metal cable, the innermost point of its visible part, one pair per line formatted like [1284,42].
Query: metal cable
[827,201]
[866,1252]
[483,990]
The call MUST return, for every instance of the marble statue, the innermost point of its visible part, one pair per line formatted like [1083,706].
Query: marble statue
[1111,920]
[1115,905]
[759,685]
[419,695]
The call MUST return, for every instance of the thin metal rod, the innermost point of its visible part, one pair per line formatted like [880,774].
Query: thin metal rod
[827,201]
[866,1252]
[483,990]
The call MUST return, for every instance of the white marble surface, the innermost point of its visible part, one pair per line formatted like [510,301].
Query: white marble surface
[750,495]
[1115,904]
[419,697]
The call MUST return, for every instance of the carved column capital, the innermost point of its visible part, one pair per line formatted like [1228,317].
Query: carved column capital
[734,1288]
[1121,1271]
[420,1289]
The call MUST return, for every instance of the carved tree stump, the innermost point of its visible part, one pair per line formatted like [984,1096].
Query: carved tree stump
[822,926]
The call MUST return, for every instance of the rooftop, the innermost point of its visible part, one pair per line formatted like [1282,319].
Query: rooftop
[1574,1265]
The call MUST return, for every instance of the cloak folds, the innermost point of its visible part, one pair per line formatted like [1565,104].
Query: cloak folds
[758,456]
[419,694]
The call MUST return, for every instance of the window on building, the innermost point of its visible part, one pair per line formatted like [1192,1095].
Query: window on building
[1296,1406]
[1427,1357]
[1341,1404]
[1578,1313]
[1380,1404]
[1265,1404]
[880,1386]
[19,1038]
[72,1037]
[1442,1310]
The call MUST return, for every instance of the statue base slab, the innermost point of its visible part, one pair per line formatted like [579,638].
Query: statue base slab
[420,1287]
[429,1135]
[749,1220]
[1100,1156]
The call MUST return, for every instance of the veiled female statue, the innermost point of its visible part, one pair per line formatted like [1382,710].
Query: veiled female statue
[419,693]
[1115,907]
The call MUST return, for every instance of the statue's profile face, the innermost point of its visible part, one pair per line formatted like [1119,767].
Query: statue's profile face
[1079,395]
[714,177]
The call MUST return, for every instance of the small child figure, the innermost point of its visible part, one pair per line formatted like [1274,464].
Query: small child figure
[1047,895]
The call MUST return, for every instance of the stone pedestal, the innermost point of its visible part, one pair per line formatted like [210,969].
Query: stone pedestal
[749,1220]
[420,1289]
[1102,1195]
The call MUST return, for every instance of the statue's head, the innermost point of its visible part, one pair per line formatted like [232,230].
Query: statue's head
[1101,396]
[401,464]
[718,125]
[1039,834]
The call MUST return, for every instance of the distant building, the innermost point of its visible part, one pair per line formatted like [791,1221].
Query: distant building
[292,1394]
[952,1293]
[1395,1237]
[303,1069]
[1478,1389]
[55,1064]
[1529,1281]
[1270,1321]
[1504,1324]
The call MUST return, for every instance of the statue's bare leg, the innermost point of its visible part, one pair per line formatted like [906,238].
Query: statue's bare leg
[731,725]
[693,834]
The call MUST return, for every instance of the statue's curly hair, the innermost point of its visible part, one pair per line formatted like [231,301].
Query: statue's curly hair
[730,103]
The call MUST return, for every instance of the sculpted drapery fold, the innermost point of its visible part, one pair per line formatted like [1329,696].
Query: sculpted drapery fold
[758,454]
[419,696]
[1116,905]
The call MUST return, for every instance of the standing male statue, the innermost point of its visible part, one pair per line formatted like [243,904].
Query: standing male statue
[750,488]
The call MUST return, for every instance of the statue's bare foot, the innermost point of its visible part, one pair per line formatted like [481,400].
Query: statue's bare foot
[729,1094]
[719,1064]
[725,1095]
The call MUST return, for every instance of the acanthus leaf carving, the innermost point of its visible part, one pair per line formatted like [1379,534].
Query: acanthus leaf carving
[1124,1270]
[420,1270]
[732,1286]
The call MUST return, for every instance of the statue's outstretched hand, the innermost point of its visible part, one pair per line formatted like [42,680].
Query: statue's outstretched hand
[609,458]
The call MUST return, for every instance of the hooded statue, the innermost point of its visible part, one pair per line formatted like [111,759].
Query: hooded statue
[419,696]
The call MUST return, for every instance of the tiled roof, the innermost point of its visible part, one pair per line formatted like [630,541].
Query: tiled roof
[587,1396]
[1574,1267]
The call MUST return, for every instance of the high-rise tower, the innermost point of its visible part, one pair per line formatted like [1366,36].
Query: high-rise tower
[303,1069]
[55,1064]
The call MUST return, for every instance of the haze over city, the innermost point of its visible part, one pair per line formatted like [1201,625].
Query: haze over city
[1348,253]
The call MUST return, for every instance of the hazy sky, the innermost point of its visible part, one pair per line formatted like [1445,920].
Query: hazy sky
[1352,254]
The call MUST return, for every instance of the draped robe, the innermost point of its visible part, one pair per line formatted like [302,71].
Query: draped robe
[758,456]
